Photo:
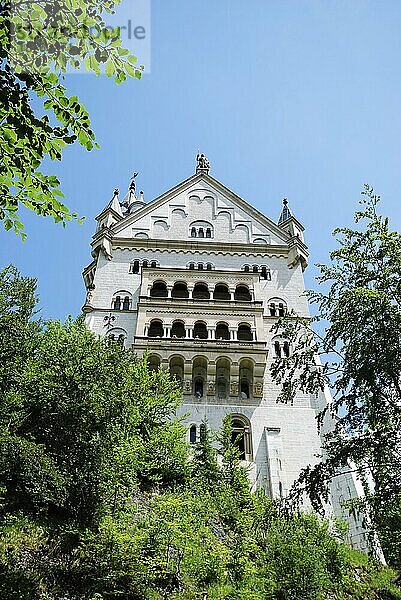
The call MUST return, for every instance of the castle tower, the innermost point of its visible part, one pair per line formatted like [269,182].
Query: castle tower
[197,278]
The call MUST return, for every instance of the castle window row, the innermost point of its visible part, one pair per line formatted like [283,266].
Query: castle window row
[197,378]
[121,300]
[200,331]
[281,349]
[201,229]
[201,291]
[277,308]
[136,265]
[201,232]
[200,266]
[262,270]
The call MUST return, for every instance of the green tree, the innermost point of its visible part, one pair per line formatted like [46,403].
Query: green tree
[38,42]
[101,499]
[360,350]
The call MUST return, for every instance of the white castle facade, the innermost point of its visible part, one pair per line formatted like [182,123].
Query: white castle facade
[196,278]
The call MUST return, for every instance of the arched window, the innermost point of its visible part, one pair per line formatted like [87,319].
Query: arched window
[153,362]
[159,290]
[178,329]
[200,331]
[209,266]
[242,294]
[222,331]
[199,373]
[134,267]
[277,307]
[238,437]
[200,266]
[177,368]
[118,336]
[192,266]
[244,333]
[277,349]
[245,378]
[200,292]
[265,274]
[145,264]
[180,290]
[246,268]
[286,349]
[153,264]
[121,300]
[201,229]
[241,436]
[221,292]
[155,329]
[192,434]
[255,269]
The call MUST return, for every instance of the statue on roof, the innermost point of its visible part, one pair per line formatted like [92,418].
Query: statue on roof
[203,165]
[132,185]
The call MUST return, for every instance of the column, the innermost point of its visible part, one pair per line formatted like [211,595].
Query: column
[169,289]
[210,332]
[234,380]
[232,292]
[146,329]
[211,378]
[190,289]
[189,331]
[253,331]
[233,333]
[187,384]
[167,330]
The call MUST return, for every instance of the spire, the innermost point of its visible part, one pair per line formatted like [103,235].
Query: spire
[115,203]
[203,164]
[285,213]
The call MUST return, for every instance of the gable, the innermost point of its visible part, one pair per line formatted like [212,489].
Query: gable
[201,208]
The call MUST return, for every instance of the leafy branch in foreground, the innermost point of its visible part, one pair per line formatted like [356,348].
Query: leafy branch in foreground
[358,355]
[39,41]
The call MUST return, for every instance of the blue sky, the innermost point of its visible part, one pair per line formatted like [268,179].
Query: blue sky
[293,98]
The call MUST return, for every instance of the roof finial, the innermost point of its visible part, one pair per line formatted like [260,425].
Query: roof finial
[285,213]
[203,164]
[116,191]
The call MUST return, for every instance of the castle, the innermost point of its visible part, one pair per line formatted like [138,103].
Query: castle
[196,278]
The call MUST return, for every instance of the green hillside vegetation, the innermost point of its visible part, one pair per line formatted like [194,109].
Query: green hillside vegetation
[102,498]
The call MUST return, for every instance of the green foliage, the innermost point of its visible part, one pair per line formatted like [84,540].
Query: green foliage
[103,500]
[38,42]
[360,351]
